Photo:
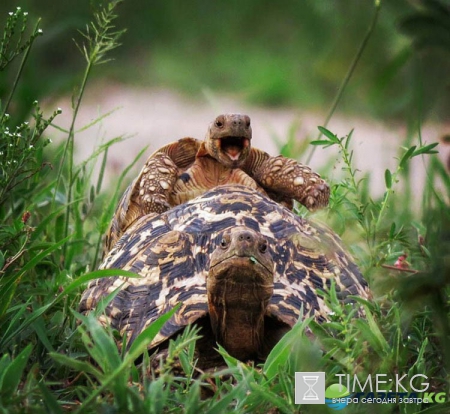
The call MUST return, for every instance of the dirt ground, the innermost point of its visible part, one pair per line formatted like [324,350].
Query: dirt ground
[156,117]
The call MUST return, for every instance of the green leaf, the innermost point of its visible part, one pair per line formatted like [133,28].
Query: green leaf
[392,230]
[334,343]
[318,329]
[162,392]
[138,347]
[39,327]
[287,348]
[388,178]
[2,260]
[237,392]
[333,138]
[102,172]
[14,372]
[275,399]
[186,363]
[44,223]
[427,149]
[321,142]
[7,290]
[17,312]
[96,274]
[231,361]
[79,366]
[100,149]
[406,156]
[4,362]
[28,321]
[437,409]
[426,252]
[192,400]
[99,343]
[141,343]
[36,259]
[74,285]
[348,140]
[49,400]
[336,326]
[371,332]
[104,301]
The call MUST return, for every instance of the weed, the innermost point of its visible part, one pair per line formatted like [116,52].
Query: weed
[52,221]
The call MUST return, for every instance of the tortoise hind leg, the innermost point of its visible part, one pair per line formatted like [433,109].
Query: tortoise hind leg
[291,179]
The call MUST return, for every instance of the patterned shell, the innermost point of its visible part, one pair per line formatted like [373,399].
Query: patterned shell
[171,252]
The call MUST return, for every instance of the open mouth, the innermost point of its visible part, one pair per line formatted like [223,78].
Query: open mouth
[233,146]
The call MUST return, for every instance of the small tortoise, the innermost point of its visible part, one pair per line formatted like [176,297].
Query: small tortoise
[185,169]
[241,265]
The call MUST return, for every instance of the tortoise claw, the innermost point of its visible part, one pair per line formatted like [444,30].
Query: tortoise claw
[316,196]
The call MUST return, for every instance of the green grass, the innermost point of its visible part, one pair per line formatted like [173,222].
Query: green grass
[53,214]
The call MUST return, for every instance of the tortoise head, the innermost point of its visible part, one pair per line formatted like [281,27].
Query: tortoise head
[228,139]
[239,287]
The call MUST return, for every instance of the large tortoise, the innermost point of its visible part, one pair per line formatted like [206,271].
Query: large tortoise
[241,265]
[187,168]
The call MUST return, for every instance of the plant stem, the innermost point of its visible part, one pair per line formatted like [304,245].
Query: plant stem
[349,74]
[348,162]
[102,40]
[68,151]
[19,72]
[385,201]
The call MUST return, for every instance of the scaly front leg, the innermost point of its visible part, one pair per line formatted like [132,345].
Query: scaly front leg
[149,193]
[155,184]
[292,179]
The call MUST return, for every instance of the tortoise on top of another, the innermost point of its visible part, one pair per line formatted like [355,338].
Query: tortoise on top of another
[241,265]
[187,168]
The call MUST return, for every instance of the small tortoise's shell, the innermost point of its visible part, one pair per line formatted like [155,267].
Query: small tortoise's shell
[171,252]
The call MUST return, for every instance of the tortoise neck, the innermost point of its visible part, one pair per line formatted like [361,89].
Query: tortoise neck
[237,306]
[240,332]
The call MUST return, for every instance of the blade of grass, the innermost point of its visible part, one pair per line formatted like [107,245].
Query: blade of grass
[349,74]
[50,402]
[7,290]
[281,353]
[96,274]
[149,333]
[79,366]
[14,371]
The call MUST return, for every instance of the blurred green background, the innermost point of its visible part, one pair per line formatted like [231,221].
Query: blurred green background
[286,53]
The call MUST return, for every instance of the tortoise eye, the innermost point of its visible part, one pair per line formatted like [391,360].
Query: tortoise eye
[224,243]
[263,247]
[219,122]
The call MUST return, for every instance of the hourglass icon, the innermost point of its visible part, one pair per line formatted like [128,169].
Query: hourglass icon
[310,381]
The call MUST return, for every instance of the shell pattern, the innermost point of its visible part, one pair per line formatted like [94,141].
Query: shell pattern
[171,253]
